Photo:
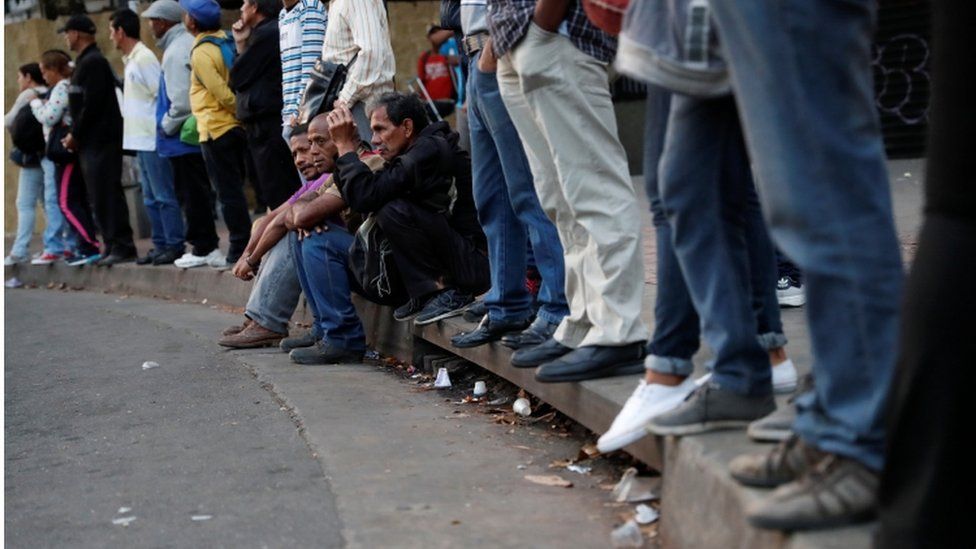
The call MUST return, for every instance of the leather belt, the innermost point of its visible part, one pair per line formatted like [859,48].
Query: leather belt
[473,43]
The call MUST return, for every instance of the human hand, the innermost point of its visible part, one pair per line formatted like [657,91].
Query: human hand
[487,62]
[242,270]
[342,128]
[69,142]
[340,104]
[549,14]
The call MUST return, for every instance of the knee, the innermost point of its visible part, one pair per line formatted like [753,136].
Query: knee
[395,213]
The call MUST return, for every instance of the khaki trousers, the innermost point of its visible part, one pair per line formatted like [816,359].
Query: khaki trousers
[559,100]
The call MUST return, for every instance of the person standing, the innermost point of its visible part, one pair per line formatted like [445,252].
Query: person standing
[96,133]
[256,79]
[359,29]
[139,96]
[172,111]
[567,126]
[222,140]
[301,31]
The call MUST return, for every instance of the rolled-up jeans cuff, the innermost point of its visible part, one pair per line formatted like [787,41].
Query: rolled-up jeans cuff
[772,340]
[669,365]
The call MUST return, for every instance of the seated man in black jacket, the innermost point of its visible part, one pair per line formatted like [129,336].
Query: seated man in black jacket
[422,201]
[255,79]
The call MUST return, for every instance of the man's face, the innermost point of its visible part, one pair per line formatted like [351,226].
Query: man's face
[389,139]
[324,150]
[159,26]
[190,24]
[301,154]
[116,35]
[71,39]
[249,11]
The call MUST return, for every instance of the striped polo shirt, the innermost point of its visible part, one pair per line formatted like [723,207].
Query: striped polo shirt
[302,30]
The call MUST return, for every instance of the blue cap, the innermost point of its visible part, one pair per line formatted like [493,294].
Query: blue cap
[205,12]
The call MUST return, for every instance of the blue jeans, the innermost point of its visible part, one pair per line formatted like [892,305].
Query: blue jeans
[820,162]
[36,184]
[509,210]
[322,260]
[677,330]
[159,196]
[704,187]
[275,293]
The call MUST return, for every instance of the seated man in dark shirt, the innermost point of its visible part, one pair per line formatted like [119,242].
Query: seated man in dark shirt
[422,201]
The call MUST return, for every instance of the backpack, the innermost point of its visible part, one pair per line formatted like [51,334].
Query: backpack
[27,133]
[188,133]
[673,44]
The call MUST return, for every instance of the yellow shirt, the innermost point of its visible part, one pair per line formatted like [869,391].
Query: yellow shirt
[211,100]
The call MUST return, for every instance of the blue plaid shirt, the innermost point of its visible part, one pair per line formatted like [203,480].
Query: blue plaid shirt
[509,20]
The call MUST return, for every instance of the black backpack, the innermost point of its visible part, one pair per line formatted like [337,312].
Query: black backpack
[27,133]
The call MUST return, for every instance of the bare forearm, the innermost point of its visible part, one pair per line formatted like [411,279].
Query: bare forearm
[273,233]
[549,14]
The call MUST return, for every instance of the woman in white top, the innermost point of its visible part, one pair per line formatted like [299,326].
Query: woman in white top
[66,180]
[32,186]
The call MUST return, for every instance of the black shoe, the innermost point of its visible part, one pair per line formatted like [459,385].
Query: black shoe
[323,353]
[444,305]
[487,332]
[148,258]
[537,332]
[409,309]
[547,351]
[166,257]
[114,259]
[592,362]
[305,340]
[476,311]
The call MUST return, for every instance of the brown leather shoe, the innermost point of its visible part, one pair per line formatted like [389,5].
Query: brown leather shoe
[255,335]
[237,328]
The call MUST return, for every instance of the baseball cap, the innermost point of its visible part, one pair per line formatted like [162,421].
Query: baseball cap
[80,23]
[206,12]
[167,10]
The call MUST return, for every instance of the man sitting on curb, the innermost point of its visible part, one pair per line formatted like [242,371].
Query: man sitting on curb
[321,250]
[275,293]
[422,201]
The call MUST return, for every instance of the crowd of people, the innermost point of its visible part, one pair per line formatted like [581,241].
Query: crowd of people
[534,210]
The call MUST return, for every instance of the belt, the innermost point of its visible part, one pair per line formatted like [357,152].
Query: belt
[473,43]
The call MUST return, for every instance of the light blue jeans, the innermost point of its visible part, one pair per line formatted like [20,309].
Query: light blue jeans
[38,184]
[509,210]
[159,196]
[801,72]
[275,292]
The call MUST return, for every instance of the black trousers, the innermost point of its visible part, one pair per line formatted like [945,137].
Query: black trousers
[101,165]
[274,170]
[74,204]
[929,475]
[224,159]
[431,254]
[193,192]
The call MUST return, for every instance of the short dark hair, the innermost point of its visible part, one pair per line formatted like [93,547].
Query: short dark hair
[267,8]
[301,129]
[56,60]
[32,71]
[401,106]
[128,21]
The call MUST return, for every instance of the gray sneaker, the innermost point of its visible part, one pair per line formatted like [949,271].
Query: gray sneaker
[837,492]
[709,408]
[305,340]
[786,462]
[778,426]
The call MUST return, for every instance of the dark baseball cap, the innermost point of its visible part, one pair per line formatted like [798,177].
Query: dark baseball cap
[80,23]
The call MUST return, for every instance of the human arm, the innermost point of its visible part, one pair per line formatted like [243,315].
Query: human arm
[549,14]
[50,112]
[176,74]
[24,98]
[260,242]
[310,214]
[207,61]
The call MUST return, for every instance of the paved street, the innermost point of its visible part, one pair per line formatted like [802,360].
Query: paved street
[242,449]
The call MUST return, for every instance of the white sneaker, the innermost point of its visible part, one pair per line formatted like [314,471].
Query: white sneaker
[12,260]
[789,293]
[784,377]
[647,401]
[217,260]
[190,261]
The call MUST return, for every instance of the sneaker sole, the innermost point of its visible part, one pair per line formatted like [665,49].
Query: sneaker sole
[697,428]
[441,316]
[335,362]
[792,524]
[620,441]
[783,388]
[251,344]
[626,368]
[793,301]
[760,434]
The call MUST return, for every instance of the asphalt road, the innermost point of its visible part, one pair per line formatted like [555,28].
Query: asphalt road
[277,455]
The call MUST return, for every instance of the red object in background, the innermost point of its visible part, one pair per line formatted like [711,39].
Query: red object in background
[435,73]
[607,15]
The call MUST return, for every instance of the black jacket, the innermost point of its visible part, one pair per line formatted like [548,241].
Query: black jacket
[256,75]
[95,115]
[423,174]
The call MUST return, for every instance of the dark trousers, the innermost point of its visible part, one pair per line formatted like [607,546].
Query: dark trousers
[224,159]
[193,192]
[73,200]
[101,165]
[926,485]
[429,253]
[274,171]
